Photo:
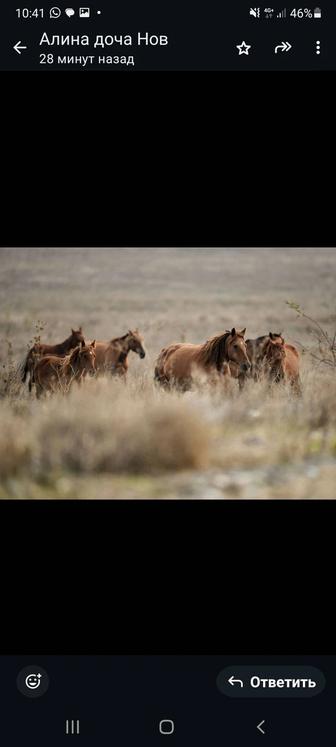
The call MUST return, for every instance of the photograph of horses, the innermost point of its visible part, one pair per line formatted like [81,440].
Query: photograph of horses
[167,373]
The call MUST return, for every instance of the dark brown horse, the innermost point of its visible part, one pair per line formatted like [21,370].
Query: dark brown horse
[61,349]
[112,356]
[272,357]
[51,373]
[180,362]
[256,350]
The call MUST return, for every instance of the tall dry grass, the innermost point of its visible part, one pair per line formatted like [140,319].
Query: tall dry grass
[138,429]
[101,427]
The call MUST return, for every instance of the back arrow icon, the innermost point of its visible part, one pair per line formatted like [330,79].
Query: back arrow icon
[260,727]
[18,48]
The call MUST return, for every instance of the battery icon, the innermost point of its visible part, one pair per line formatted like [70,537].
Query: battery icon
[317,13]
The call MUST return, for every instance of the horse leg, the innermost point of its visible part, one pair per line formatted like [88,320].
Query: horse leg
[162,381]
[296,386]
[38,389]
[241,381]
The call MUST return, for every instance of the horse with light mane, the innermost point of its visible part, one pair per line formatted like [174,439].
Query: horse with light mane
[112,356]
[178,364]
[60,349]
[52,373]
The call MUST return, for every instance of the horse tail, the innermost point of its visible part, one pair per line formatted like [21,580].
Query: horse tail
[24,369]
[159,372]
[27,368]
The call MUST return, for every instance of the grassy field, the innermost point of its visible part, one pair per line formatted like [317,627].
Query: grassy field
[111,441]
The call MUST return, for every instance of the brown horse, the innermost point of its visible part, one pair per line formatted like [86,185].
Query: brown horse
[60,350]
[52,373]
[177,363]
[255,351]
[271,356]
[112,356]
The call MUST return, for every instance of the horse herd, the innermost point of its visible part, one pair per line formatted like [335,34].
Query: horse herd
[222,357]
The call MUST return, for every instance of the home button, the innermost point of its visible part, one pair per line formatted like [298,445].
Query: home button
[166,726]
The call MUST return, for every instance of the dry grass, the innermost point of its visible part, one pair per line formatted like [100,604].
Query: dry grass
[95,429]
[139,441]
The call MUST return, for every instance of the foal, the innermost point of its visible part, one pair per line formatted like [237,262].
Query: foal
[272,357]
[59,350]
[51,373]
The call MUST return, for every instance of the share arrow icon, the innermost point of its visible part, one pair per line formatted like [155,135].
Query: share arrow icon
[284,47]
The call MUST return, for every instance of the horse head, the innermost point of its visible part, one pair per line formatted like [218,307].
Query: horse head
[83,359]
[274,351]
[236,349]
[77,337]
[135,342]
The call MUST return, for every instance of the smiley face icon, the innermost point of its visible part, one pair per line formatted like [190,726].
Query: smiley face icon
[33,681]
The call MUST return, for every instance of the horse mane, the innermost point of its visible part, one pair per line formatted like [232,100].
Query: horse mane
[213,351]
[73,357]
[117,339]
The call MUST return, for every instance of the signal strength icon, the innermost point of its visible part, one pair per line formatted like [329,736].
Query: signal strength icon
[282,14]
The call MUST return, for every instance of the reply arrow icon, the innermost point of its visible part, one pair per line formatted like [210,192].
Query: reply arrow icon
[18,48]
[234,682]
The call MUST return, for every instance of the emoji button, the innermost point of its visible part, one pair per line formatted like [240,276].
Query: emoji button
[32,681]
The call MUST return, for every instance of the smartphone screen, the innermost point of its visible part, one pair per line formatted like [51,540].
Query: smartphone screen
[169,36]
[168,700]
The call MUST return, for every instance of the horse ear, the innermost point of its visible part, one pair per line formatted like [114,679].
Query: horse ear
[93,344]
[73,331]
[233,331]
[271,335]
[242,332]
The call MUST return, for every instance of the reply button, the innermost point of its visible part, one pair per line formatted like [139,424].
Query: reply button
[278,681]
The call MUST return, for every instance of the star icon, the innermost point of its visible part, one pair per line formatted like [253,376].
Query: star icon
[243,48]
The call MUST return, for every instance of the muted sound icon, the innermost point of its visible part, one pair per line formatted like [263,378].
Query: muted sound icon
[72,726]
